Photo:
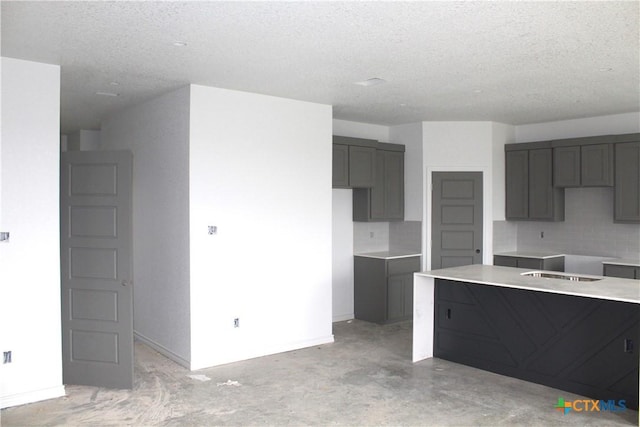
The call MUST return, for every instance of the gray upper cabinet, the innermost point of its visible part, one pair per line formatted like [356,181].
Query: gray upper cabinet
[597,165]
[566,166]
[517,184]
[627,180]
[583,162]
[340,166]
[530,194]
[385,201]
[354,162]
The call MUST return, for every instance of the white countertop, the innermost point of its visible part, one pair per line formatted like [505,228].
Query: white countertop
[620,261]
[609,288]
[537,255]
[393,254]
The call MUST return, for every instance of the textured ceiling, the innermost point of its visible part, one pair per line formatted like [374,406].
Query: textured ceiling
[508,61]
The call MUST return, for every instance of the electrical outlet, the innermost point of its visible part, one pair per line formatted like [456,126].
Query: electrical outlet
[7,357]
[212,229]
[542,234]
[236,322]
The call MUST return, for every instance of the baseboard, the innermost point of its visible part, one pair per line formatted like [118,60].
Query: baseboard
[162,350]
[254,353]
[343,317]
[31,396]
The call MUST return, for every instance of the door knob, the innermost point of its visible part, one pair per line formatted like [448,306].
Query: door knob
[477,251]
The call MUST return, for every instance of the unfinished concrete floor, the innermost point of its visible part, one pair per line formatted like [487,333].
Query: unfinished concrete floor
[365,378]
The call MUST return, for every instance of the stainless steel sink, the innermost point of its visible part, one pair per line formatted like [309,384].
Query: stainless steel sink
[562,276]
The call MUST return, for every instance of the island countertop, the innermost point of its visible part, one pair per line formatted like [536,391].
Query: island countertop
[608,288]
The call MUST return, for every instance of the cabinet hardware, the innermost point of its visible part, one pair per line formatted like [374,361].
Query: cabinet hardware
[628,346]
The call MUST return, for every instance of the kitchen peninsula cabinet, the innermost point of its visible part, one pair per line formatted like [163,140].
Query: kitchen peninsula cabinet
[582,345]
[383,286]
[385,200]
[627,179]
[530,194]
[354,162]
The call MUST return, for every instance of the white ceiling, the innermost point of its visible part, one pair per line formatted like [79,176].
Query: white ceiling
[507,61]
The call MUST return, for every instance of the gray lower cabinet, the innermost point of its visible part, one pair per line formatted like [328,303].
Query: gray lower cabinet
[622,271]
[549,264]
[385,200]
[627,182]
[530,194]
[383,288]
[354,162]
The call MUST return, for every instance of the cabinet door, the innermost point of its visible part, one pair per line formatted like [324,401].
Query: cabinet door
[540,184]
[408,296]
[517,184]
[505,261]
[340,166]
[395,298]
[622,271]
[566,166]
[534,263]
[377,201]
[400,297]
[597,165]
[627,182]
[394,185]
[362,166]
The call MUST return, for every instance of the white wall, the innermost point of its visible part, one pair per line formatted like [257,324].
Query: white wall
[342,255]
[602,125]
[260,171]
[30,262]
[411,137]
[361,130]
[157,132]
[460,146]
[83,140]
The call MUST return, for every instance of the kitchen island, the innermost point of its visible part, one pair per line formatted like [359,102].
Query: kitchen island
[579,336]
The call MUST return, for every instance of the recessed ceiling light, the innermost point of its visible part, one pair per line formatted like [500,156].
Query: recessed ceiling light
[107,94]
[371,82]
[179,44]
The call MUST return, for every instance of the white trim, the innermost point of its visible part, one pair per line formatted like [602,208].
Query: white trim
[487,214]
[162,350]
[343,317]
[32,396]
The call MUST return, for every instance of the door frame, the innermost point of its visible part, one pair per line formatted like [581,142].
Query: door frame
[487,214]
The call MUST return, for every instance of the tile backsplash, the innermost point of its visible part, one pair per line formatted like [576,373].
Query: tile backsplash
[383,236]
[370,237]
[405,235]
[588,229]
